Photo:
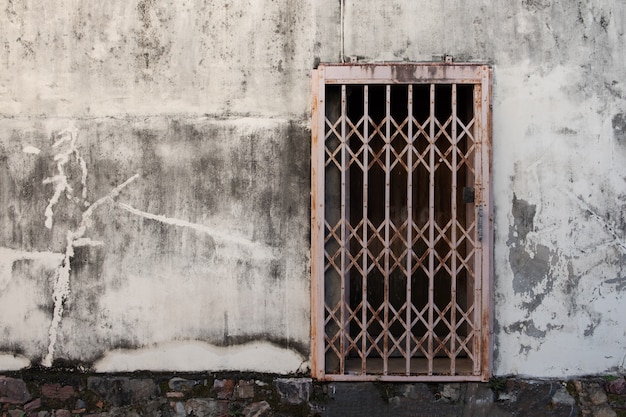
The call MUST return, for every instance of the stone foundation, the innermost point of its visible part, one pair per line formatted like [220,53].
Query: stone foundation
[35,393]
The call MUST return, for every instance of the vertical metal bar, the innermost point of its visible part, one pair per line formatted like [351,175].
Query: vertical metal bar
[431,231]
[453,239]
[487,263]
[344,240]
[409,229]
[387,220]
[317,224]
[471,221]
[364,307]
[478,273]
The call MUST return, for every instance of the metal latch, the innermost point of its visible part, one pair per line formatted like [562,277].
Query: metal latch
[479,223]
[468,194]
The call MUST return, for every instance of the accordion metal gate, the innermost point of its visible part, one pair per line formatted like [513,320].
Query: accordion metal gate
[401,222]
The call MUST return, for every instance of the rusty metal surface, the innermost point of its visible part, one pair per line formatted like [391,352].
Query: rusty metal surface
[400,278]
[402,73]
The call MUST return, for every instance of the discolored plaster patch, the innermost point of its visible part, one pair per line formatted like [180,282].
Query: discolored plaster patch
[531,266]
[527,327]
[523,219]
[534,265]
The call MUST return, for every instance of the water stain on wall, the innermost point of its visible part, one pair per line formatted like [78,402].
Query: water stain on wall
[216,207]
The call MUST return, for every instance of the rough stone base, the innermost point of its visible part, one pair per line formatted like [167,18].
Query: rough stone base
[64,394]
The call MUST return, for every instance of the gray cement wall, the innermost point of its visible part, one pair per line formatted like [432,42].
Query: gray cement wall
[163,148]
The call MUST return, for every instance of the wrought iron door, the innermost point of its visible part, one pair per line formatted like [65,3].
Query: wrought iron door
[401,222]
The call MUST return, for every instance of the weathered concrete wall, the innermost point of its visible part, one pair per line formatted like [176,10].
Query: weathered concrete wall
[559,163]
[182,129]
[205,240]
[155,56]
[155,184]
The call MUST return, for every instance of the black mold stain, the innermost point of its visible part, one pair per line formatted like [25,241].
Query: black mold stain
[620,283]
[12,347]
[567,131]
[85,259]
[284,343]
[604,22]
[536,4]
[150,45]
[595,321]
[613,88]
[277,270]
[21,266]
[186,132]
[24,197]
[527,327]
[619,128]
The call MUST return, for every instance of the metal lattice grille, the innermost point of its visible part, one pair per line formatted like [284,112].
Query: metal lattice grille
[398,200]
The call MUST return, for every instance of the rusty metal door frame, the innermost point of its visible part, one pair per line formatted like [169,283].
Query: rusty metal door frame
[477,233]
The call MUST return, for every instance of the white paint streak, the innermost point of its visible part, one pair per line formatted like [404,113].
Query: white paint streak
[60,185]
[62,284]
[85,241]
[60,294]
[199,356]
[67,143]
[31,149]
[8,254]
[226,235]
